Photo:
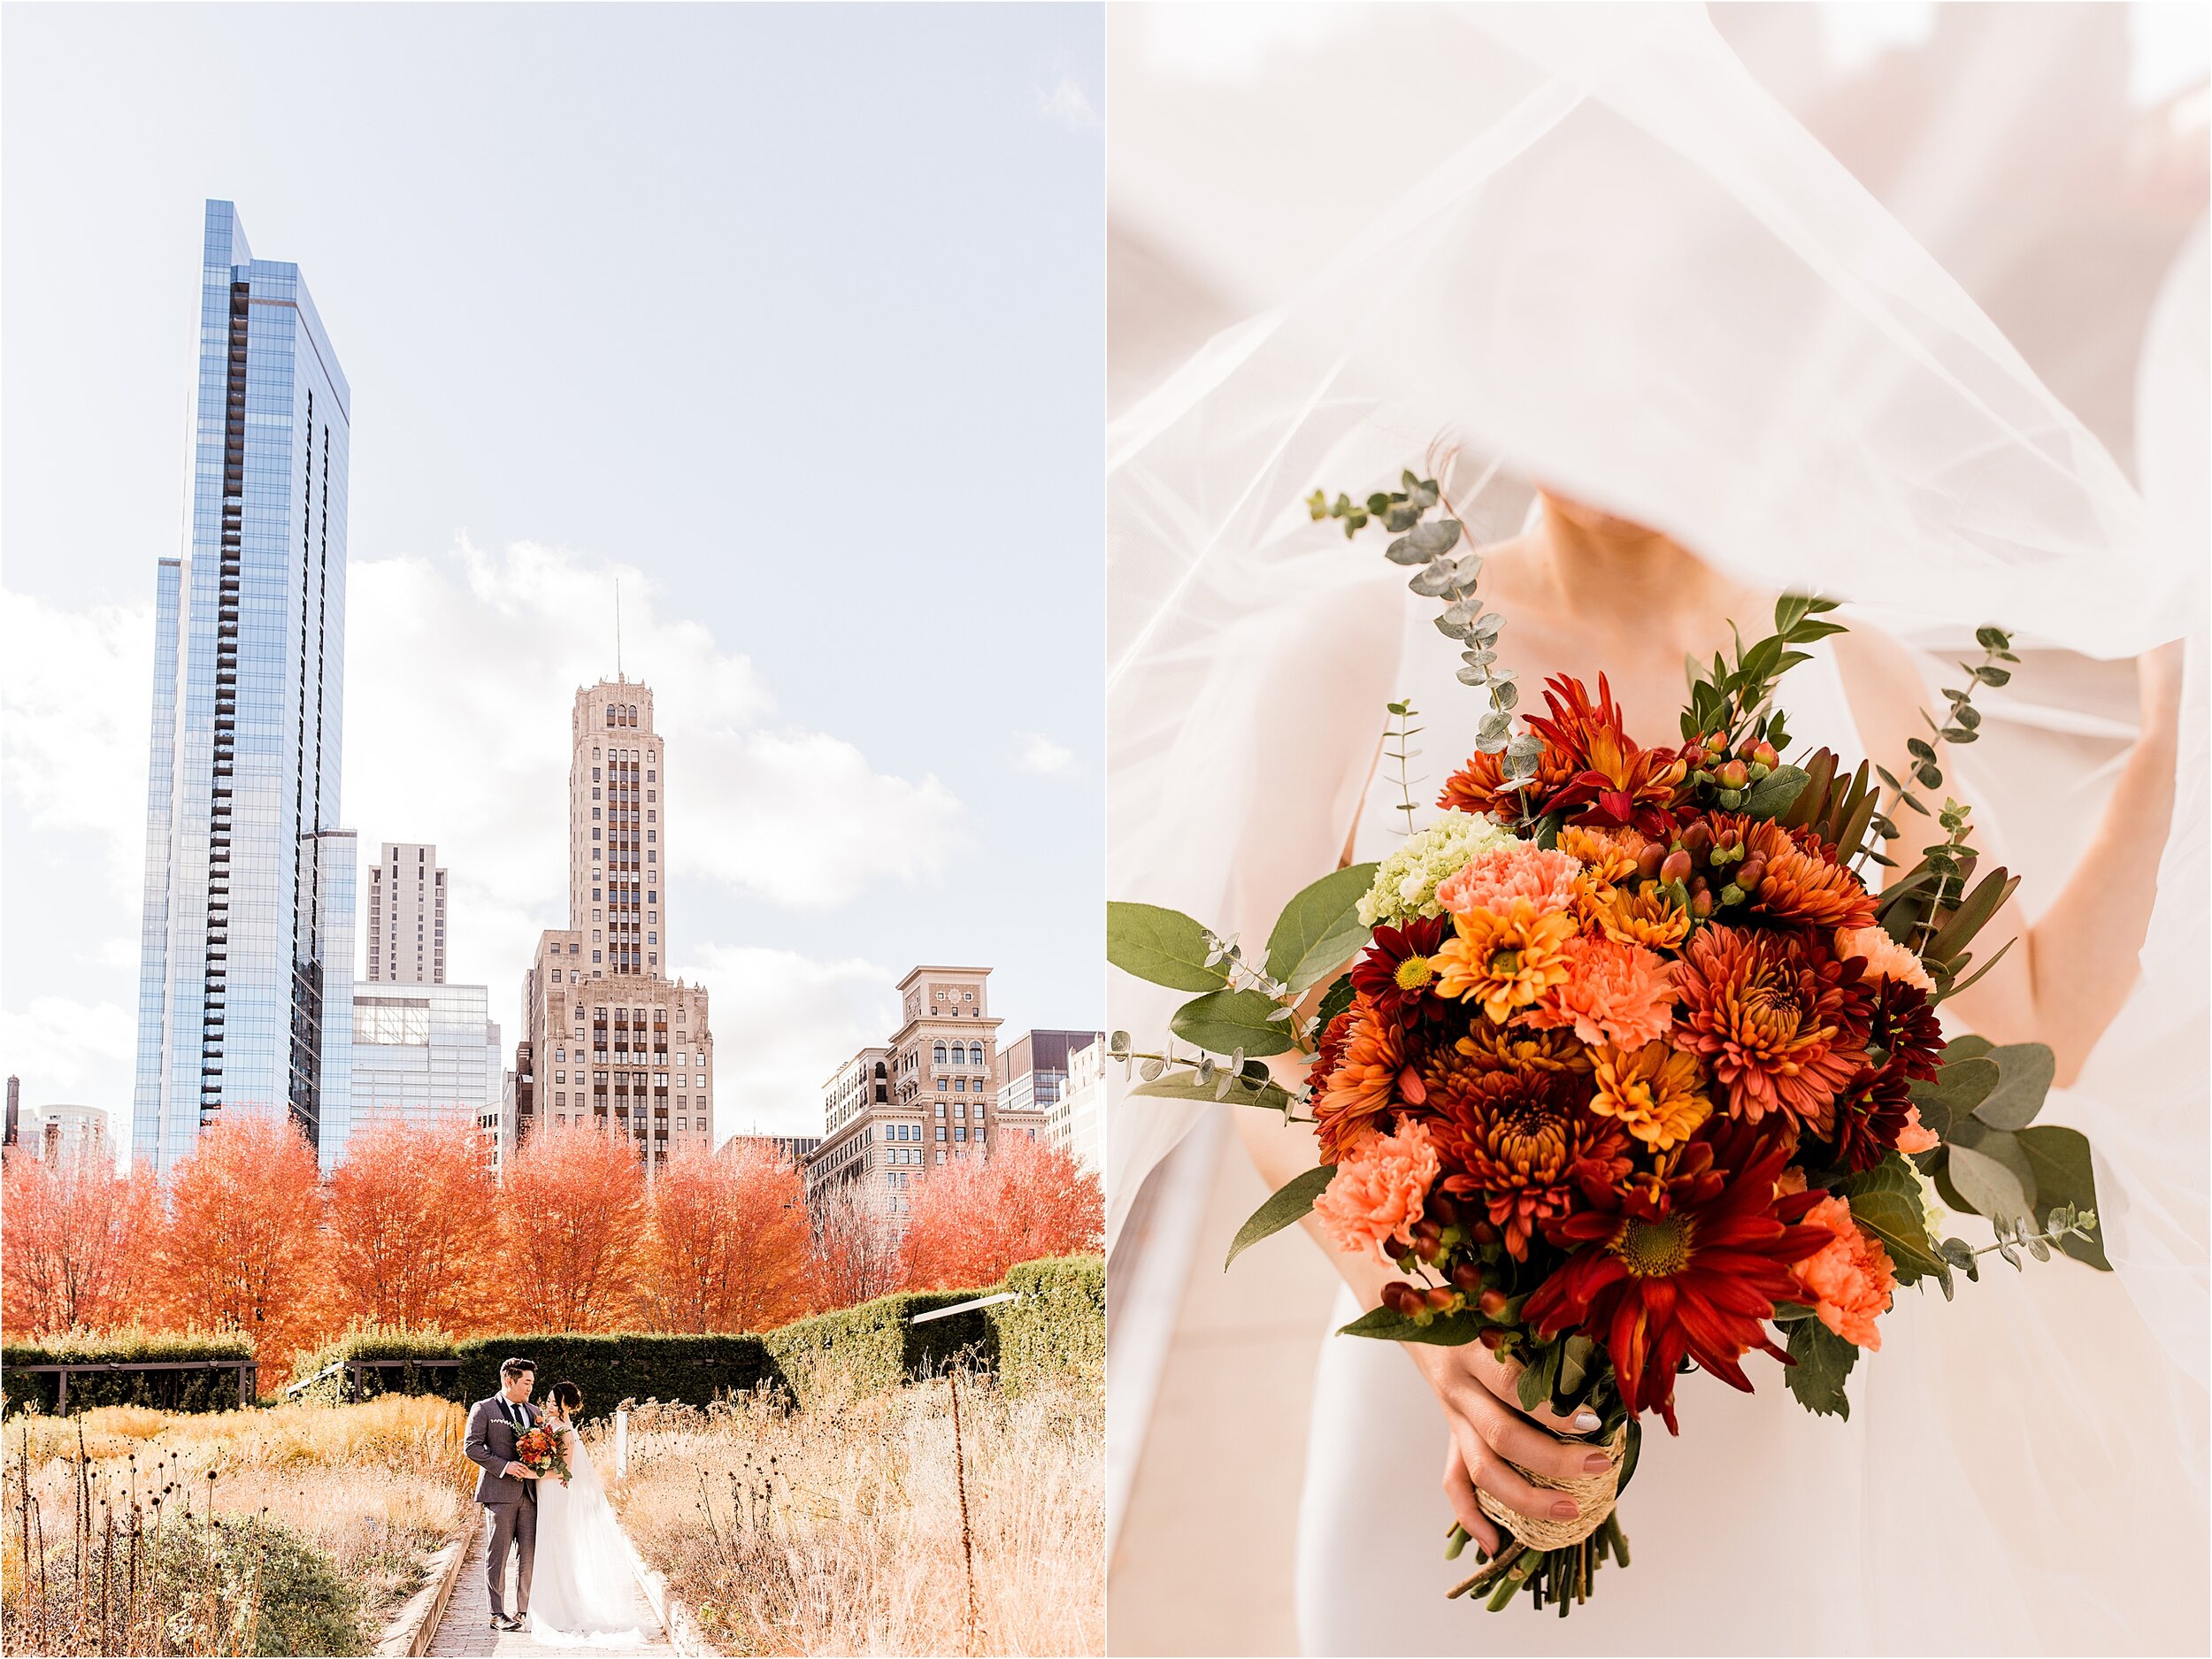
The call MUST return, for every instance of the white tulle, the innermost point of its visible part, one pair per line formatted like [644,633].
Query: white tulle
[1640,282]
[582,1591]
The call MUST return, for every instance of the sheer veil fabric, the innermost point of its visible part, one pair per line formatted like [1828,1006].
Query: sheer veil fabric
[1640,282]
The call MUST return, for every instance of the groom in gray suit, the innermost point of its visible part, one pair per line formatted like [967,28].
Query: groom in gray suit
[507,1490]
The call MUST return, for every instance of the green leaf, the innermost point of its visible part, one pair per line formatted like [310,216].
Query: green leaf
[1972,1046]
[1445,1329]
[1336,999]
[1320,929]
[1162,945]
[2063,1176]
[1824,1361]
[1774,794]
[1991,1173]
[1284,1207]
[2024,1070]
[1243,1090]
[1959,1087]
[1886,1201]
[1629,1457]
[1538,1381]
[1226,1021]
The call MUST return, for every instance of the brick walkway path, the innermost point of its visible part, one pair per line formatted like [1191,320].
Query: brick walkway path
[466,1628]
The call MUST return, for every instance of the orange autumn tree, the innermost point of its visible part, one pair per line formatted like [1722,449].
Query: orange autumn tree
[242,1247]
[976,1217]
[573,1207]
[856,1256]
[728,1245]
[73,1251]
[414,1227]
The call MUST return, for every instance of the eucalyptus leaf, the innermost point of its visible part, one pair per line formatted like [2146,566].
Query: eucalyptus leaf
[1162,945]
[1320,929]
[2025,1071]
[1227,1021]
[1244,1091]
[1992,1175]
[2065,1177]
[1284,1207]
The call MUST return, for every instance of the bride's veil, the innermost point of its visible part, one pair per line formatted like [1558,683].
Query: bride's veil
[1641,281]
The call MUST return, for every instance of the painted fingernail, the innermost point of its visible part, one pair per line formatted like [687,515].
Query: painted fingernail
[1585,1421]
[1565,1510]
[1596,1464]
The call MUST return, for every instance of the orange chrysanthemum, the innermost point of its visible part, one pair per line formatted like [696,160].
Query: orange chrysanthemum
[1607,856]
[1849,1280]
[1494,880]
[1480,786]
[1780,1030]
[1802,883]
[1613,993]
[1516,1139]
[1656,1092]
[1503,962]
[1519,1048]
[1363,1084]
[1645,914]
[1885,957]
[1377,1190]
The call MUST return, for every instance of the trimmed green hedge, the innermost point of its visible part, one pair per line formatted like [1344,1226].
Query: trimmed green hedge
[165,1390]
[1058,1327]
[866,1349]
[379,1342]
[623,1365]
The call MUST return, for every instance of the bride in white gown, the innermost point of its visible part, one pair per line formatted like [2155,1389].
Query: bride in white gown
[1642,281]
[584,1593]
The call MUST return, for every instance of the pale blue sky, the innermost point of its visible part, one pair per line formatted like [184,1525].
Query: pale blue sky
[794,314]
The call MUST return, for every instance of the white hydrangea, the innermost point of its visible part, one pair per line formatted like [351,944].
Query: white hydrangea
[1405,886]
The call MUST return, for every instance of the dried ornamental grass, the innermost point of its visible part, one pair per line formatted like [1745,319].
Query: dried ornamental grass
[839,1530]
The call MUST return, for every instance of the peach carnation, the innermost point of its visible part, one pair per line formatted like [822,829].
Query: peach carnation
[1377,1192]
[1885,957]
[1493,879]
[1614,992]
[1917,1136]
[1848,1279]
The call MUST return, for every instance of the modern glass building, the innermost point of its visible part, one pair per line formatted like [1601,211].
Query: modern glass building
[246,987]
[424,1053]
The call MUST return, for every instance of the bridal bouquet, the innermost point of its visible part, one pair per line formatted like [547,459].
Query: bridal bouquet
[537,1449]
[1631,1071]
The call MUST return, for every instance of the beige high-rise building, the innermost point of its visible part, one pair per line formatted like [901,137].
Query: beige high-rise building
[891,1115]
[407,915]
[610,1038]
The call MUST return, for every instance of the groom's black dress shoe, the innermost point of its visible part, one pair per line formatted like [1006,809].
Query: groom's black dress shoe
[502,1621]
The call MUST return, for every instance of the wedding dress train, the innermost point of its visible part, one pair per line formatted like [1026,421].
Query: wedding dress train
[584,1593]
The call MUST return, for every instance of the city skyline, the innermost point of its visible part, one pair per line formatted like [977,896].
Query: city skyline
[777,437]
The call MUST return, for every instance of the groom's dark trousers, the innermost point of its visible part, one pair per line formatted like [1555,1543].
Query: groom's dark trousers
[510,1506]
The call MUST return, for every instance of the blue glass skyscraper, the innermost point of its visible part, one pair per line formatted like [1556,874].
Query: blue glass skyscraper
[246,988]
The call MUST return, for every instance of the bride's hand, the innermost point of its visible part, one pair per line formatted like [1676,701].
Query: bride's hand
[1488,1431]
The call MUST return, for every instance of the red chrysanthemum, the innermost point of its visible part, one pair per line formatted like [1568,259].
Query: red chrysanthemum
[1691,1266]
[1394,972]
[1870,1114]
[1904,1027]
[1782,1029]
[1518,1140]
[1615,781]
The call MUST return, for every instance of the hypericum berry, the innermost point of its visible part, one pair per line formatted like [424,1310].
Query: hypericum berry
[1483,1232]
[1676,866]
[1753,870]
[1647,862]
[1401,1297]
[1763,754]
[1468,1277]
[1440,1297]
[1734,775]
[1495,1337]
[1701,904]
[1697,840]
[1492,1302]
[1440,1207]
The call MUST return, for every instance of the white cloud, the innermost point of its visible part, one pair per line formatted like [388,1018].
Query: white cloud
[77,696]
[782,1023]
[457,733]
[1067,105]
[70,1052]
[1040,755]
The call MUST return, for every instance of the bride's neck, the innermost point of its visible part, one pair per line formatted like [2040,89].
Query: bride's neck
[1623,574]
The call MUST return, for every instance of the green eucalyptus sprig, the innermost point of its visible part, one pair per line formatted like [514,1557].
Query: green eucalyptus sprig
[1452,578]
[1402,731]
